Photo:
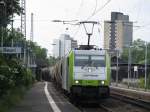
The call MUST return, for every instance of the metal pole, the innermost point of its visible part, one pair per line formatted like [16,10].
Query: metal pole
[24,56]
[89,35]
[137,78]
[24,52]
[129,56]
[27,56]
[3,5]
[2,37]
[117,70]
[32,28]
[145,65]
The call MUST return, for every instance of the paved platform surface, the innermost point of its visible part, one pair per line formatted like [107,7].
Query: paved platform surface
[36,101]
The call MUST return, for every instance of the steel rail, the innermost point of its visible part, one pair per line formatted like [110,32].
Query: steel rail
[133,101]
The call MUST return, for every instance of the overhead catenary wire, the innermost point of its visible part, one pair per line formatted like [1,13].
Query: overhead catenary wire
[103,6]
[80,7]
[139,9]
[94,10]
[74,35]
[98,10]
[143,26]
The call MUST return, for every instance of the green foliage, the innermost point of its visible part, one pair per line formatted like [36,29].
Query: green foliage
[14,79]
[12,75]
[141,83]
[40,53]
[137,52]
[52,61]
[7,9]
[28,78]
[16,36]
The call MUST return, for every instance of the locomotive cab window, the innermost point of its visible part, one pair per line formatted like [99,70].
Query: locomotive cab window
[91,61]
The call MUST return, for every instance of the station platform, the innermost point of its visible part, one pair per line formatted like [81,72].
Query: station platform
[44,97]
[34,100]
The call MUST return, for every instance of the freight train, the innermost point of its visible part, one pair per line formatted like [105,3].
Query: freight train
[84,74]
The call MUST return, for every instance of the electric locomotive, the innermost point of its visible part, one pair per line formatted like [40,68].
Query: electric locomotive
[85,74]
[85,71]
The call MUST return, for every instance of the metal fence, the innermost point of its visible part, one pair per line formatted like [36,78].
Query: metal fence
[133,78]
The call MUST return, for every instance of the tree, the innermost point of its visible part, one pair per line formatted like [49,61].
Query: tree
[14,35]
[137,52]
[8,8]
[40,53]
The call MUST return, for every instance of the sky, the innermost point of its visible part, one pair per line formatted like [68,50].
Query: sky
[47,10]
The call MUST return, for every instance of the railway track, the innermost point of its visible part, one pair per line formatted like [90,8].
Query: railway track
[137,102]
[116,103]
[107,109]
[93,108]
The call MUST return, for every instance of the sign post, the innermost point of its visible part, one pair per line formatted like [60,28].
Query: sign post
[136,75]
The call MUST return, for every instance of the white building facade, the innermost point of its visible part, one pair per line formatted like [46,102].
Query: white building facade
[63,45]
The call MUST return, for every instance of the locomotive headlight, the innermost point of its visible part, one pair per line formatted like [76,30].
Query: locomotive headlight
[102,82]
[76,81]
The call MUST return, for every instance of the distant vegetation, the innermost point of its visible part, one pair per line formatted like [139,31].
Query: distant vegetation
[138,56]
[52,60]
[14,80]
[9,8]
[137,52]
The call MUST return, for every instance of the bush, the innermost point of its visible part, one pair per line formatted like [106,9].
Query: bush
[14,80]
[28,78]
[142,82]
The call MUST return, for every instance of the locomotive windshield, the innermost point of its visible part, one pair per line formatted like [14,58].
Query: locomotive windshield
[90,60]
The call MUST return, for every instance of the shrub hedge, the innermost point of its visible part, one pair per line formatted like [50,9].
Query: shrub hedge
[14,80]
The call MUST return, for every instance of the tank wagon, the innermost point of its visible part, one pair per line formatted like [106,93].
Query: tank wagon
[84,74]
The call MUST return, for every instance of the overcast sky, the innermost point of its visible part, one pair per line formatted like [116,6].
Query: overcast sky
[46,10]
